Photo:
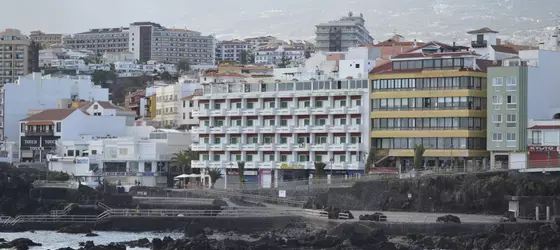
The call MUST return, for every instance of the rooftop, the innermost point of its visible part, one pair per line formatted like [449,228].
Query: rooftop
[50,115]
[505,49]
[434,55]
[480,31]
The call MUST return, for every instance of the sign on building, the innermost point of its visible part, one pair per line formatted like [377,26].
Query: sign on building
[543,148]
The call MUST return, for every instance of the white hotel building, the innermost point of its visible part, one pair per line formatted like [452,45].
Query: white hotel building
[281,128]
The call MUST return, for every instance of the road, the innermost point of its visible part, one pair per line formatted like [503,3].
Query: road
[415,217]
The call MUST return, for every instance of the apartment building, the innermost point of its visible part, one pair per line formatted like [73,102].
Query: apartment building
[484,42]
[435,96]
[281,128]
[279,55]
[169,104]
[46,40]
[339,35]
[151,41]
[522,89]
[232,50]
[18,56]
[99,41]
[132,101]
[260,42]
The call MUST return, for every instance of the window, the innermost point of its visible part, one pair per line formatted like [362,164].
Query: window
[271,157]
[497,118]
[343,121]
[70,153]
[123,151]
[342,158]
[95,106]
[58,126]
[283,105]
[497,137]
[93,152]
[357,65]
[217,105]
[511,118]
[250,105]
[283,157]
[536,137]
[318,104]
[249,123]
[343,103]
[318,158]
[283,140]
[184,116]
[184,104]
[496,99]
[512,99]
[283,122]
[217,157]
[234,140]
[302,158]
[498,81]
[217,140]
[511,136]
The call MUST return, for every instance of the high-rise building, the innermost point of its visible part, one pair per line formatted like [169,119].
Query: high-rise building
[46,40]
[523,89]
[342,34]
[151,41]
[99,40]
[18,55]
[435,96]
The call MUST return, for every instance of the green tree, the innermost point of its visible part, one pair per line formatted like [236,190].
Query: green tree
[418,155]
[58,176]
[214,174]
[284,61]
[184,66]
[182,160]
[244,57]
[166,76]
[112,67]
[241,169]
[99,77]
[370,160]
[320,168]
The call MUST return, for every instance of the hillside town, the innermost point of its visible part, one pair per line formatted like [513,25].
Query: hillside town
[138,103]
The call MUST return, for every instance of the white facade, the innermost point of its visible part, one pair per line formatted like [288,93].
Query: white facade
[339,35]
[169,103]
[284,126]
[275,55]
[486,43]
[231,50]
[143,157]
[42,92]
[543,81]
[355,68]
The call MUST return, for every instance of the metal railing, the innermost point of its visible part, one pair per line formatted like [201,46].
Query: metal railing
[53,219]
[55,184]
[249,197]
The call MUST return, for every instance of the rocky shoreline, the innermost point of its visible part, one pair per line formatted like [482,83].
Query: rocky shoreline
[344,236]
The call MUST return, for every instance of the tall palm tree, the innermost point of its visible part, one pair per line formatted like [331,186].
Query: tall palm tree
[183,160]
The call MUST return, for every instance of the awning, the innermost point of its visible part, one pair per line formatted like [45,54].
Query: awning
[184,176]
[39,123]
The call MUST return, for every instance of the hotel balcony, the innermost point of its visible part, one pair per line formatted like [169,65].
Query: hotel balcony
[267,129]
[320,111]
[267,147]
[249,112]
[337,147]
[233,147]
[267,111]
[353,147]
[284,147]
[338,111]
[338,129]
[267,165]
[218,112]
[354,110]
[250,130]
[200,147]
[218,130]
[353,128]
[233,130]
[200,164]
[233,112]
[284,111]
[319,147]
[301,147]
[319,129]
[201,113]
[249,147]
[201,130]
[303,111]
[218,147]
[284,129]
[302,129]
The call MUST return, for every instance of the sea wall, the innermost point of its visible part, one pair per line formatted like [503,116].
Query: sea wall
[140,224]
[474,193]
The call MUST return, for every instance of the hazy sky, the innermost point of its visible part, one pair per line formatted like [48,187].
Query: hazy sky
[284,18]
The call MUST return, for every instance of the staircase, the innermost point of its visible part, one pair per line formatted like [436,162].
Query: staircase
[380,156]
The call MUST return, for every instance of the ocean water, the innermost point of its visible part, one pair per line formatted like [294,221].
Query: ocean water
[54,240]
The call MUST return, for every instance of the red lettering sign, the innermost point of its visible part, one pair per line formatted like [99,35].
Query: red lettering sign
[543,148]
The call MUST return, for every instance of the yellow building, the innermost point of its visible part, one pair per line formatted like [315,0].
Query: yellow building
[151,106]
[434,95]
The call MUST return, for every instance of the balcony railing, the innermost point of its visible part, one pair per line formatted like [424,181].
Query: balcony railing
[479,44]
[39,132]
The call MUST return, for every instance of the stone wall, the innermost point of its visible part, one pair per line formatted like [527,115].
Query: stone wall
[475,193]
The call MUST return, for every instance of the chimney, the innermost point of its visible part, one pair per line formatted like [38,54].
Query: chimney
[415,44]
[498,41]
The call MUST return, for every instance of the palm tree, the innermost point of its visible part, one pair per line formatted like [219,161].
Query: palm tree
[418,156]
[241,169]
[183,160]
[215,175]
[320,168]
